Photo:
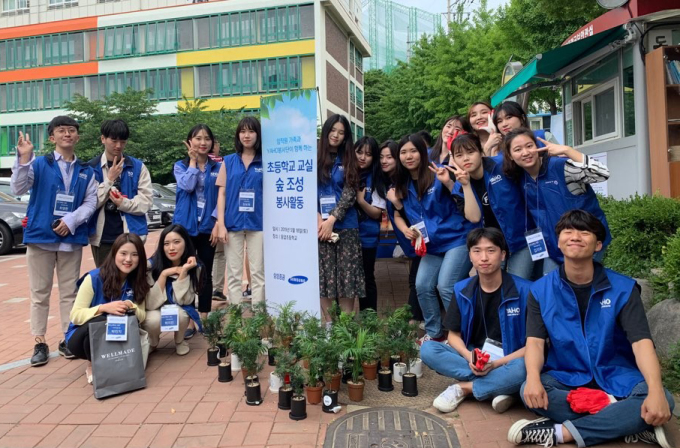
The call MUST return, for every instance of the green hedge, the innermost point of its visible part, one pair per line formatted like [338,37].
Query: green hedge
[641,227]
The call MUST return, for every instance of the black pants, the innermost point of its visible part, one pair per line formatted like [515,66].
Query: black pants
[371,300]
[79,343]
[100,253]
[206,253]
[413,295]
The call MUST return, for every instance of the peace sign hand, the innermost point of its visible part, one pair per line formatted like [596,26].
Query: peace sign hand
[462,176]
[24,147]
[490,126]
[193,152]
[441,172]
[554,149]
[116,169]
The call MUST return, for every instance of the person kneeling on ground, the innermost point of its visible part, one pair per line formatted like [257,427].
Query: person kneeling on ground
[599,339]
[488,313]
[178,276]
[119,285]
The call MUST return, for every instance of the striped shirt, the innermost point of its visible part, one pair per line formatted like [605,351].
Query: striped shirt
[579,175]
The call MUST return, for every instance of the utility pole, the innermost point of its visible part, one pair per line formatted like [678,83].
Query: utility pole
[448,13]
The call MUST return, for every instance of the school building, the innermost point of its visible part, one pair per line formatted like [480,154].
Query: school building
[229,52]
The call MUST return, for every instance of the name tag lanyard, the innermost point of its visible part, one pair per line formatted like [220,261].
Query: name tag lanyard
[64,200]
[420,225]
[492,347]
[535,239]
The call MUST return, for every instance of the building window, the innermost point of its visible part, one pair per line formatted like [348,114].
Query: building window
[360,132]
[306,21]
[61,3]
[10,134]
[358,60]
[62,48]
[596,114]
[360,98]
[628,84]
[14,6]
[352,92]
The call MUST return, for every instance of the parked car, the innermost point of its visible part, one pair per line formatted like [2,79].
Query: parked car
[172,187]
[5,188]
[11,230]
[164,199]
[153,217]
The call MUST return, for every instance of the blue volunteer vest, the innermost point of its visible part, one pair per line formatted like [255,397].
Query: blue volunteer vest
[129,182]
[98,297]
[601,351]
[47,180]
[511,312]
[186,207]
[334,188]
[447,228]
[369,228]
[548,198]
[238,178]
[404,242]
[506,201]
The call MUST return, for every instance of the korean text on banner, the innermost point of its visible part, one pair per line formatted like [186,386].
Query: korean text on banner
[291,257]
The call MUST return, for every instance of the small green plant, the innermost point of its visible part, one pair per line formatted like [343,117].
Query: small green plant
[671,369]
[360,347]
[284,363]
[297,379]
[248,346]
[286,323]
[212,328]
[329,350]
[264,319]
[234,318]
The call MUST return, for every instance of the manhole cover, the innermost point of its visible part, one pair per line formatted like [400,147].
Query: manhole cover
[390,428]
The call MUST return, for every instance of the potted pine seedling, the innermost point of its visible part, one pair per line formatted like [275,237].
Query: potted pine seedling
[298,404]
[409,352]
[285,365]
[329,351]
[369,320]
[307,340]
[234,322]
[248,347]
[384,347]
[285,324]
[212,328]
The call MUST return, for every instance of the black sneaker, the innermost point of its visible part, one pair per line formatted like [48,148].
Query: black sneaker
[189,333]
[41,354]
[656,437]
[535,432]
[217,295]
[64,351]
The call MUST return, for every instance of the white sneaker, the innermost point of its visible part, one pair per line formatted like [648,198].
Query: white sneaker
[182,348]
[502,403]
[449,400]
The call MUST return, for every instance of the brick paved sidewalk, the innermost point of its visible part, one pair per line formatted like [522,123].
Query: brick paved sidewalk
[183,404]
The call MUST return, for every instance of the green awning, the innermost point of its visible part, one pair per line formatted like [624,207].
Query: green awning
[544,66]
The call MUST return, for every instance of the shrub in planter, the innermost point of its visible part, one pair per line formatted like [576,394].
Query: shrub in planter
[247,345]
[286,324]
[360,346]
[284,368]
[409,353]
[212,331]
[298,410]
[234,323]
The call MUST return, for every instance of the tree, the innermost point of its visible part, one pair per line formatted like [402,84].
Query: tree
[154,139]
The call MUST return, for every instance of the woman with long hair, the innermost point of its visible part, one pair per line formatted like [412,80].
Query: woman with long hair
[384,181]
[480,117]
[239,210]
[196,198]
[441,149]
[370,207]
[341,275]
[555,179]
[500,200]
[509,115]
[178,274]
[425,193]
[118,286]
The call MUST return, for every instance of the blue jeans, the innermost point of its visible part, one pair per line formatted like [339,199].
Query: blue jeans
[441,272]
[616,420]
[505,380]
[521,264]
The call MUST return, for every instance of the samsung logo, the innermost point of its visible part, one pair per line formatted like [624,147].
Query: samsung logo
[297,280]
[494,180]
[512,311]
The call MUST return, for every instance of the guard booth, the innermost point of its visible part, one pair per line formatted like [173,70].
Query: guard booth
[619,103]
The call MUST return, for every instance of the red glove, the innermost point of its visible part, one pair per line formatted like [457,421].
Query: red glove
[420,251]
[584,400]
[482,359]
[24,222]
[449,142]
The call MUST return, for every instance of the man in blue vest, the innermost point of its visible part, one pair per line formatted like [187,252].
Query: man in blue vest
[599,339]
[124,194]
[487,313]
[63,197]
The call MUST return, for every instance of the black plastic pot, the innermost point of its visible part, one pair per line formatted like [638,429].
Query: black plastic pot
[330,400]
[385,381]
[253,394]
[410,385]
[298,408]
[285,397]
[223,350]
[271,355]
[213,360]
[224,373]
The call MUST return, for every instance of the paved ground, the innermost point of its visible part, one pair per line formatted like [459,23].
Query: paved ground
[183,405]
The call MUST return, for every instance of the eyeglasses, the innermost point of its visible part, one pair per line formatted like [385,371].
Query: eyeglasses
[66,130]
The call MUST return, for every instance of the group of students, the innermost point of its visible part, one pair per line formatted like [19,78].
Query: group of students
[105,201]
[489,194]
[542,310]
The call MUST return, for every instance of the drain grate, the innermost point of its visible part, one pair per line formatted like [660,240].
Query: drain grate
[390,428]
